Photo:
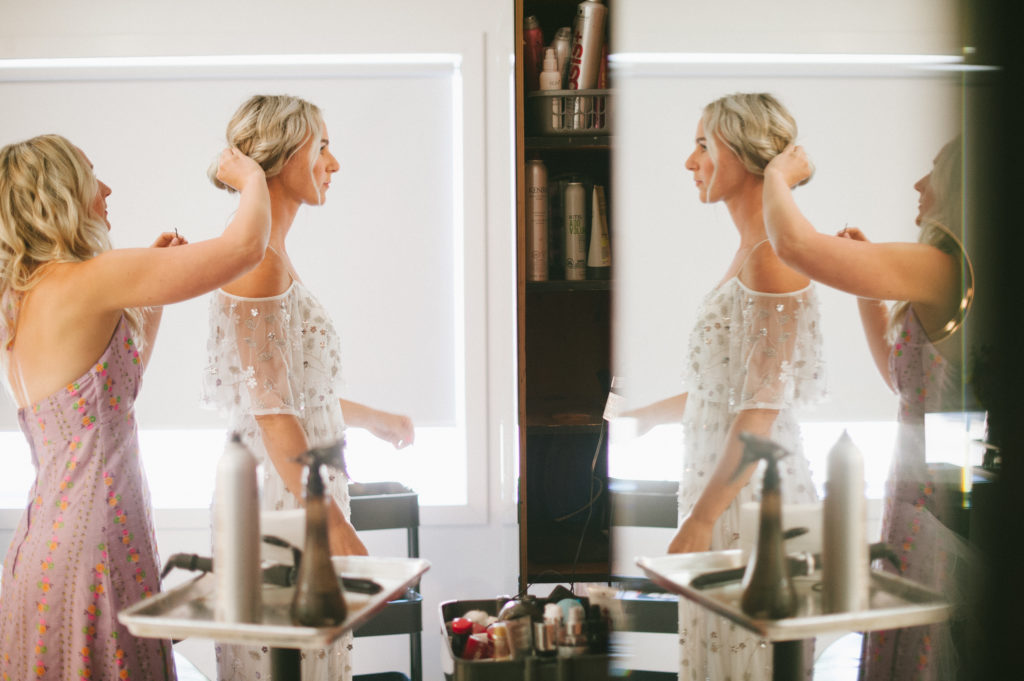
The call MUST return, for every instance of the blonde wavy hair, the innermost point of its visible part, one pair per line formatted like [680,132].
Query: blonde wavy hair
[754,126]
[46,194]
[940,227]
[269,129]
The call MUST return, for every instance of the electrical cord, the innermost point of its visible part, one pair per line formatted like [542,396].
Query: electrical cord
[590,504]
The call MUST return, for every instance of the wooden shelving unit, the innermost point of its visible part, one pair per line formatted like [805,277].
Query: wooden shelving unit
[564,352]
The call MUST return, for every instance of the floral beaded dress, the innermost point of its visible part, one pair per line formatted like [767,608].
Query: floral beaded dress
[914,519]
[278,355]
[85,547]
[748,350]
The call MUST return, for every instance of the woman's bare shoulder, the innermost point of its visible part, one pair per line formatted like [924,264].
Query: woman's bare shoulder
[269,278]
[764,271]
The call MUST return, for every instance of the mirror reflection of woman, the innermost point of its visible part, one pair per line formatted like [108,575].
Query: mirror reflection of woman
[275,362]
[754,354]
[917,347]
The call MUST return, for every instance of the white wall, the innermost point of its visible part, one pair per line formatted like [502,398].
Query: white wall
[481,34]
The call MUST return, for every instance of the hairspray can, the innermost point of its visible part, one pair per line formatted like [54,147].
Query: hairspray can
[574,206]
[562,45]
[536,221]
[236,536]
[587,39]
[533,52]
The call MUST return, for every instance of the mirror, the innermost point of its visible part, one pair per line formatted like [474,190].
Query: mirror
[870,125]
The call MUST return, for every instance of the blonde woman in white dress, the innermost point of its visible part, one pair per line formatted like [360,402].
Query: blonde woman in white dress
[754,355]
[274,355]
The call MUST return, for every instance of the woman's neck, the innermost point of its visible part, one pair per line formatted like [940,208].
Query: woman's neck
[747,212]
[282,214]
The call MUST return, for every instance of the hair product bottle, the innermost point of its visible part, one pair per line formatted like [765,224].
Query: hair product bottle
[599,257]
[844,551]
[587,39]
[236,536]
[575,232]
[550,79]
[318,601]
[562,45]
[533,52]
[536,221]
[768,591]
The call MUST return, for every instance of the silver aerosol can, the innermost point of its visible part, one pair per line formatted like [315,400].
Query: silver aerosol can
[575,211]
[844,554]
[536,221]
[236,536]
[587,41]
[562,44]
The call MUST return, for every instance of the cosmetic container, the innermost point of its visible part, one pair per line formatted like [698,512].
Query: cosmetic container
[533,52]
[318,601]
[236,536]
[768,591]
[844,554]
[537,221]
[575,223]
[599,255]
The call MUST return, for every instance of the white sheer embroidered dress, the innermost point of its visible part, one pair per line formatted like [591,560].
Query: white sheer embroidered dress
[747,350]
[277,355]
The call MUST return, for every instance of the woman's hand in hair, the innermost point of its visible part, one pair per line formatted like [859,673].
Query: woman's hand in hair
[792,165]
[236,170]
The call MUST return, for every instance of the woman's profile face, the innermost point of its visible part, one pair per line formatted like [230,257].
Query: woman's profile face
[928,200]
[99,202]
[303,184]
[716,179]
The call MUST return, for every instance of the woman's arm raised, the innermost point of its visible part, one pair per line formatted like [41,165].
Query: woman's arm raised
[137,277]
[884,271]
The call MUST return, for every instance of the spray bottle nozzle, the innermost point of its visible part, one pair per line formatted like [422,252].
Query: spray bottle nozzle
[330,455]
[757,448]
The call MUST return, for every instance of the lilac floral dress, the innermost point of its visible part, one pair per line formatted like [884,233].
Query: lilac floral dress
[926,376]
[85,547]
[278,355]
[748,350]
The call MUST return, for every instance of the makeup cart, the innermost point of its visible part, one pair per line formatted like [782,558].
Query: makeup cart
[894,603]
[187,610]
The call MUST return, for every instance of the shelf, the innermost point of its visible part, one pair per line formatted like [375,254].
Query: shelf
[575,142]
[556,573]
[562,285]
[559,415]
[563,429]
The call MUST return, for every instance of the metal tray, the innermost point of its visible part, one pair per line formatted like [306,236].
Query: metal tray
[187,610]
[895,602]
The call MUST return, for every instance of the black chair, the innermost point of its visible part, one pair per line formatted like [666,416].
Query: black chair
[387,506]
[646,607]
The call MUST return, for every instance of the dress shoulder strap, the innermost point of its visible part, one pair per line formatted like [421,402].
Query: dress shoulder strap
[752,249]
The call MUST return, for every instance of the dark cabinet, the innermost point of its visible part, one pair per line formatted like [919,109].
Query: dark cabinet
[564,345]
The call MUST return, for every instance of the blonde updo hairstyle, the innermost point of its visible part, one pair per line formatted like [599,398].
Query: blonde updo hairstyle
[269,129]
[47,190]
[754,126]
